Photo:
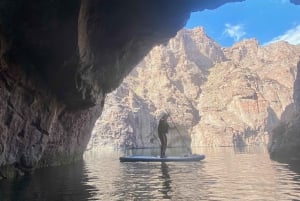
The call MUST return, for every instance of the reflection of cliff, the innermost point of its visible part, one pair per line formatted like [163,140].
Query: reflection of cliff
[211,92]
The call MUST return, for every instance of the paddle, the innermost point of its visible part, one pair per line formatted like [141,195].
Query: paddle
[187,147]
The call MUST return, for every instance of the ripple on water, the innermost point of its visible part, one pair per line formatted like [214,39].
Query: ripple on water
[225,174]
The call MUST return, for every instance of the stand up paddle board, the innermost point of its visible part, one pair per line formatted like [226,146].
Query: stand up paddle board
[191,158]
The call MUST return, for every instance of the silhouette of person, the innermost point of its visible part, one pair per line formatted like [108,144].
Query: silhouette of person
[163,128]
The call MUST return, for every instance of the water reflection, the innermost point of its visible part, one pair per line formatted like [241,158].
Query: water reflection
[225,174]
[143,181]
[56,184]
[295,167]
[166,185]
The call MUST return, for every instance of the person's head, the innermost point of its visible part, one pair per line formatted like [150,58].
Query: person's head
[164,117]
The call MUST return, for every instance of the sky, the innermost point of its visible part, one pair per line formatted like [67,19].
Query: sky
[266,20]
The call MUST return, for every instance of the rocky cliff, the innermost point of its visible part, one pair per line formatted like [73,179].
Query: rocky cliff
[216,96]
[59,58]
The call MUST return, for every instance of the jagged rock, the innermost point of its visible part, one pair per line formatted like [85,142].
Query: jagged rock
[216,96]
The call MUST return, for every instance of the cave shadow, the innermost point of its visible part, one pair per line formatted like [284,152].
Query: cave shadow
[61,183]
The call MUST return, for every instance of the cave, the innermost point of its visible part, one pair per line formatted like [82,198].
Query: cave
[59,59]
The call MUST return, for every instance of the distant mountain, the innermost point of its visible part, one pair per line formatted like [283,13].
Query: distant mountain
[216,96]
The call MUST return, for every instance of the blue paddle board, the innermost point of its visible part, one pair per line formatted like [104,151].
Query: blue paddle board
[191,158]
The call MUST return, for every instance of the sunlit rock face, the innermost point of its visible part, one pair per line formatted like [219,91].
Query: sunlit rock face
[125,114]
[245,96]
[216,96]
[58,59]
[168,79]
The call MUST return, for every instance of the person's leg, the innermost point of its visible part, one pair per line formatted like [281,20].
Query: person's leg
[161,138]
[164,145]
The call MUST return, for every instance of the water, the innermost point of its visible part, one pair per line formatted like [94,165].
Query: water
[225,174]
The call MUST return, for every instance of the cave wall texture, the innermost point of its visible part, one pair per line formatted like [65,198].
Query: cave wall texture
[58,60]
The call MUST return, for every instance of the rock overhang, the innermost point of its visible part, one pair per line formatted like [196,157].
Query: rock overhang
[83,49]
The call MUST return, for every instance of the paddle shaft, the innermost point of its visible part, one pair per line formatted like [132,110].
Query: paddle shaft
[188,148]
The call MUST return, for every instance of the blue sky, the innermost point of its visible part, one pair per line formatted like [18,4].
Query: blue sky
[265,20]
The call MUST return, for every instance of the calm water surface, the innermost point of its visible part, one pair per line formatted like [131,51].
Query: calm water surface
[225,174]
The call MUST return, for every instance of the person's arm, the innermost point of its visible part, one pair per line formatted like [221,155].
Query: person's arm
[171,127]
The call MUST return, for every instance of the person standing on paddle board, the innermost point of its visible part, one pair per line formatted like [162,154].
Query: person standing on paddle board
[163,128]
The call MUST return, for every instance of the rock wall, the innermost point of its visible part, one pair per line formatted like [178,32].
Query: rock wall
[285,139]
[124,115]
[216,96]
[36,130]
[245,96]
[59,58]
